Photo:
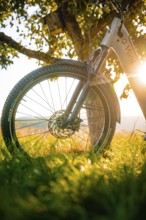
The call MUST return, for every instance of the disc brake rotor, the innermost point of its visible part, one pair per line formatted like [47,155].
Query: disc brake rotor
[55,125]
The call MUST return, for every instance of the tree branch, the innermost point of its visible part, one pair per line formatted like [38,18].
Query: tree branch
[30,53]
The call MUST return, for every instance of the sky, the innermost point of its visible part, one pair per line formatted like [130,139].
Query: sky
[13,74]
[23,66]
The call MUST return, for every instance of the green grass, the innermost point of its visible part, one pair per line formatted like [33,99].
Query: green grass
[76,185]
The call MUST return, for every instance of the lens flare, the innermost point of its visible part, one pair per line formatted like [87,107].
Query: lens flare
[142,72]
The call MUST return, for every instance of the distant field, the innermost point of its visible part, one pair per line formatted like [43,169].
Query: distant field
[76,185]
[130,123]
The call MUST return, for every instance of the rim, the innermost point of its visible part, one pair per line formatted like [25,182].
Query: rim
[39,113]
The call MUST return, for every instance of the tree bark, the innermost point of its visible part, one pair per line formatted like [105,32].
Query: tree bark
[30,53]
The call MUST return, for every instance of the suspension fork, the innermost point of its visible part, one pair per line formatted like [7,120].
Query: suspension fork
[82,89]
[74,105]
[74,97]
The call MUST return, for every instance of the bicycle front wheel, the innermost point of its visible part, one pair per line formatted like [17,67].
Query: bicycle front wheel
[35,109]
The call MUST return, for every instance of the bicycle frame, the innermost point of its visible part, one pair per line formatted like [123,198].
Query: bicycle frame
[118,39]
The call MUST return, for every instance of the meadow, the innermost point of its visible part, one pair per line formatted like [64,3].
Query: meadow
[76,185]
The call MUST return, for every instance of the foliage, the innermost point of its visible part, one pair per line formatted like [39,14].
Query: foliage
[6,55]
[84,26]
[84,23]
[76,185]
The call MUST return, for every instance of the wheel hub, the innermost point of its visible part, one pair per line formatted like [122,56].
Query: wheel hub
[56,122]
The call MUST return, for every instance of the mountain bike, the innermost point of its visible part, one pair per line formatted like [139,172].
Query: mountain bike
[71,105]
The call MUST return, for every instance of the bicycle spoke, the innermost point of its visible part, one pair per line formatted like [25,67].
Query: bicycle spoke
[33,111]
[38,103]
[68,93]
[27,126]
[59,94]
[36,143]
[51,94]
[44,94]
[29,135]
[30,117]
[42,99]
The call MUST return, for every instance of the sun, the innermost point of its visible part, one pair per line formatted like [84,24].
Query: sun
[142,72]
[129,106]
